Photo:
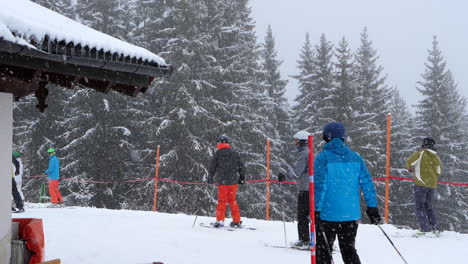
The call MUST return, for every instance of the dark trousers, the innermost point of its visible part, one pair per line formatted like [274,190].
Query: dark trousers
[303,216]
[326,235]
[16,195]
[423,199]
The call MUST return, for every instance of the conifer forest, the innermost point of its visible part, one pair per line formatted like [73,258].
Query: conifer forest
[227,81]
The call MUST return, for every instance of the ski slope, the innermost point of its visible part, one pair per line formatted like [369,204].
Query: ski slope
[92,236]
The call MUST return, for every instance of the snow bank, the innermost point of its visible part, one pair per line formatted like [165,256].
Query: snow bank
[88,235]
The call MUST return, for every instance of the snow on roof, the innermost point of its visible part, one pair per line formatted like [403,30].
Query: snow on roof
[23,22]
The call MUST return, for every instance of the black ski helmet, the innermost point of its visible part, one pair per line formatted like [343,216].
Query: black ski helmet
[428,142]
[224,139]
[333,130]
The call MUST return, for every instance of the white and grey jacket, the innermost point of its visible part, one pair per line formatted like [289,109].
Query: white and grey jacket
[300,170]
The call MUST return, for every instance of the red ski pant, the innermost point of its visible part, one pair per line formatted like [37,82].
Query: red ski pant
[227,194]
[55,196]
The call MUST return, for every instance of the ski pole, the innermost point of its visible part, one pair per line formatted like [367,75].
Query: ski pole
[328,247]
[284,221]
[194,221]
[391,242]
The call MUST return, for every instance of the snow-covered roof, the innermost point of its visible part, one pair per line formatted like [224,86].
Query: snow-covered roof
[26,23]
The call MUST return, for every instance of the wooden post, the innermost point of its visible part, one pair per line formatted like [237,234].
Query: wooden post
[311,200]
[387,168]
[156,179]
[267,179]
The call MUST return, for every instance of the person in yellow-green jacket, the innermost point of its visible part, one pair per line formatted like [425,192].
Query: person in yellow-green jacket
[426,166]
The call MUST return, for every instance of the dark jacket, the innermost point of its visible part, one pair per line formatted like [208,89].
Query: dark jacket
[16,163]
[227,166]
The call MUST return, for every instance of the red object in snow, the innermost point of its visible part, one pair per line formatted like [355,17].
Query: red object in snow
[32,231]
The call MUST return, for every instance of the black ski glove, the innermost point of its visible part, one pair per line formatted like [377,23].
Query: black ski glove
[373,214]
[241,180]
[281,177]
[317,215]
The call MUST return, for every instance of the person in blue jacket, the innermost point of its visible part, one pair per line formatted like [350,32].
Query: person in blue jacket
[53,174]
[340,176]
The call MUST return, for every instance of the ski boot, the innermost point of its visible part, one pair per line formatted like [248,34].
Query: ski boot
[19,210]
[236,224]
[304,245]
[218,224]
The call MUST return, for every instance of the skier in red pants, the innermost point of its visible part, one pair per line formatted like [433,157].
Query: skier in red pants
[53,174]
[228,168]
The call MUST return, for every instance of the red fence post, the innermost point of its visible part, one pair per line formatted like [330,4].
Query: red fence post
[267,179]
[387,168]
[156,179]
[311,200]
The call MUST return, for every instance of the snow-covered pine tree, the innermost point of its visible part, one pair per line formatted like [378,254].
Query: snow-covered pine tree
[237,57]
[324,86]
[278,126]
[35,132]
[401,204]
[307,100]
[370,104]
[344,84]
[187,115]
[316,100]
[366,134]
[440,116]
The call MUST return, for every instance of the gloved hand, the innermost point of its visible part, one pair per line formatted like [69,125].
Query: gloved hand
[241,180]
[210,180]
[317,215]
[373,214]
[411,170]
[281,177]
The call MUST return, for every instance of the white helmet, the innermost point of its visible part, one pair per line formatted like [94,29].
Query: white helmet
[302,135]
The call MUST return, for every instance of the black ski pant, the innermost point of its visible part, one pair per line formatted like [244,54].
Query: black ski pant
[326,235]
[16,195]
[303,216]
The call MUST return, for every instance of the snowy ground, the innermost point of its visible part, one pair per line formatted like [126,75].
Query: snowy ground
[89,235]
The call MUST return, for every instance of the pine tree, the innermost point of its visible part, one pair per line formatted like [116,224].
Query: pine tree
[402,138]
[344,84]
[277,106]
[440,116]
[237,55]
[307,99]
[276,110]
[367,131]
[324,85]
[317,95]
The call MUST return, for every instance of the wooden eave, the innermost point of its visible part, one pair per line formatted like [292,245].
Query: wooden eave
[24,70]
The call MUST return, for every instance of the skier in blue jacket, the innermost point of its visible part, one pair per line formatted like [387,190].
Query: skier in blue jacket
[53,174]
[340,175]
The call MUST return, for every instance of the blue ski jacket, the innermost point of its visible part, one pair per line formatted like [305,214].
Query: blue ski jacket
[340,175]
[53,172]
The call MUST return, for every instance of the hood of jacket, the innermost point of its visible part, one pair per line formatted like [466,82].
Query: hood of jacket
[337,146]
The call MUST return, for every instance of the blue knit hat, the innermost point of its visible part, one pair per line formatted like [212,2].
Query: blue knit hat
[333,130]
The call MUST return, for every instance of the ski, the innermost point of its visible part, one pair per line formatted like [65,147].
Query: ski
[211,225]
[286,247]
[417,235]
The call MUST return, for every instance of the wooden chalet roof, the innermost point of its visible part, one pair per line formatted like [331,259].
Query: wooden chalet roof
[34,53]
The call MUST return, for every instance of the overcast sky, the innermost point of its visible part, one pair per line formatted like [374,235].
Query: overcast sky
[401,31]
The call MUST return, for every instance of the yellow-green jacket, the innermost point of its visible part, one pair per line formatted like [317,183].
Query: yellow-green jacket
[427,167]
